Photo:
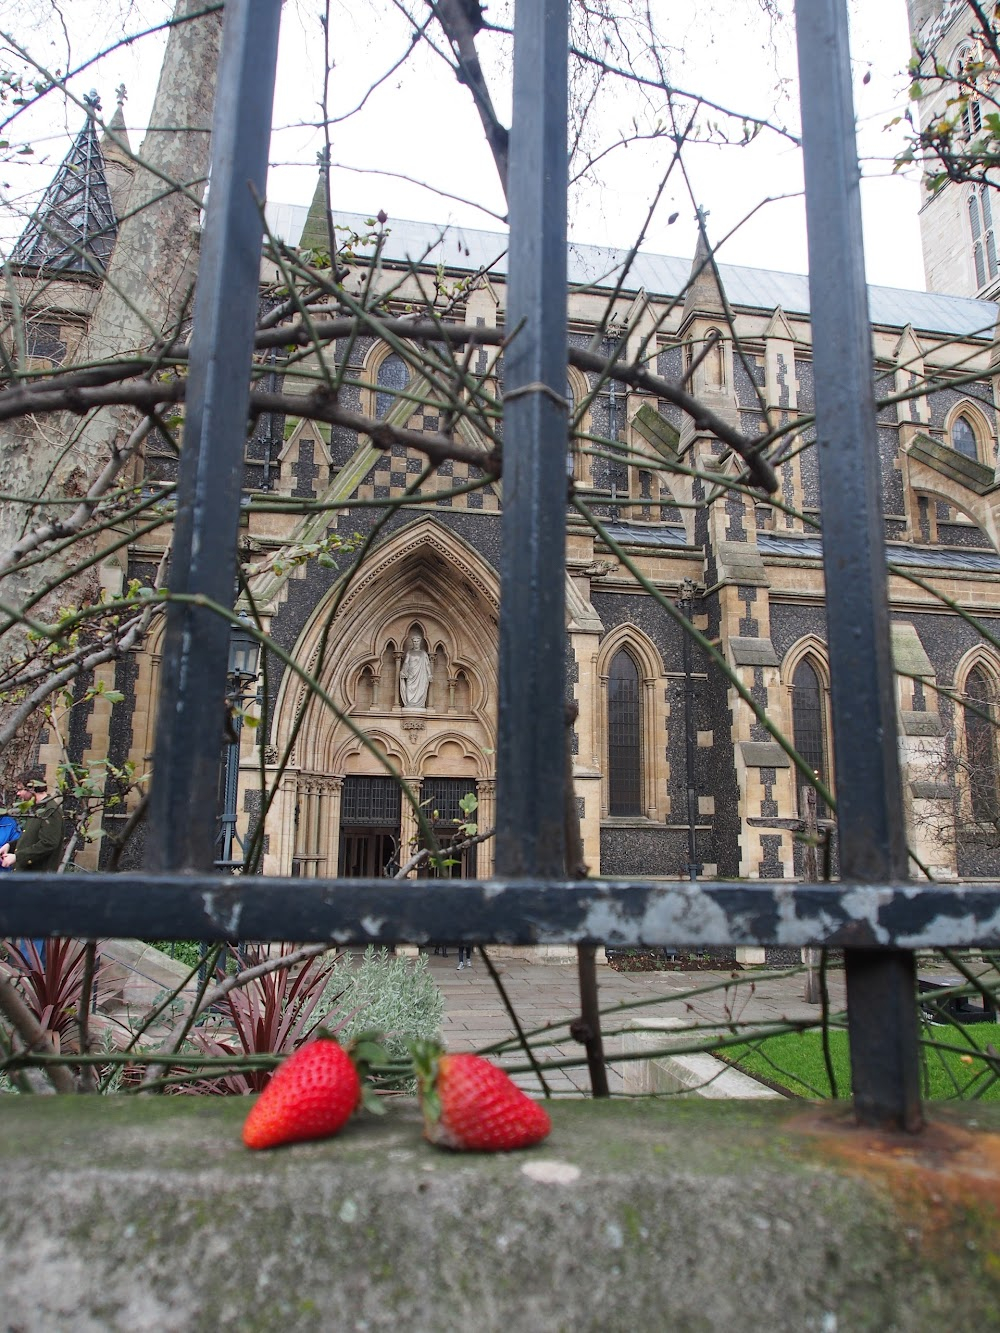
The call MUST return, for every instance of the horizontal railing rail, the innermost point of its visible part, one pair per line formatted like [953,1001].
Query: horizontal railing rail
[870,917]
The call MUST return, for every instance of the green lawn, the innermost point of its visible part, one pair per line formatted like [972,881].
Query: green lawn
[796,1063]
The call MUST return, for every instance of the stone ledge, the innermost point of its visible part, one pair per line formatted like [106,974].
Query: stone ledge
[130,1214]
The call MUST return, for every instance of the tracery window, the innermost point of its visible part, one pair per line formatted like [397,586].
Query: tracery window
[624,736]
[981,745]
[809,720]
[972,118]
[963,438]
[570,451]
[392,378]
[984,246]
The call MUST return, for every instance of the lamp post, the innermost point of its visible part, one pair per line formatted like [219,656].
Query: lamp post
[240,677]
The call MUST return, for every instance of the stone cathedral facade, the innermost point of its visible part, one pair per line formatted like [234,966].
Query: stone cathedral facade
[957,227]
[673,773]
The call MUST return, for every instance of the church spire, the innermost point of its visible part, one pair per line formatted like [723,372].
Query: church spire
[119,165]
[74,227]
[316,233]
[703,296]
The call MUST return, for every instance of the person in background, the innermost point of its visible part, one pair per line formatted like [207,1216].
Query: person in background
[10,831]
[40,843]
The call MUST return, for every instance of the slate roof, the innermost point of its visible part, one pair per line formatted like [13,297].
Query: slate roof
[464,249]
[969,559]
[973,559]
[74,227]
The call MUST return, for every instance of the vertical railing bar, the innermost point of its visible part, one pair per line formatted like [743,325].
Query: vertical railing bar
[880,986]
[530,763]
[189,732]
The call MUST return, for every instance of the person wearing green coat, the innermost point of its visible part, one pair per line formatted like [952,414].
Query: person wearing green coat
[40,844]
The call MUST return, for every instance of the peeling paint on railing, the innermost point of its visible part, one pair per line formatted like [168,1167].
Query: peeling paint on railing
[613,912]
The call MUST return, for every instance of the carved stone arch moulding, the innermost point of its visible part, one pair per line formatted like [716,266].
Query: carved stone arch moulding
[349,754]
[451,754]
[639,644]
[983,657]
[980,423]
[425,536]
[413,576]
[814,648]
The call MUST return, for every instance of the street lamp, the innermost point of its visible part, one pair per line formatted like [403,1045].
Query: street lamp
[244,652]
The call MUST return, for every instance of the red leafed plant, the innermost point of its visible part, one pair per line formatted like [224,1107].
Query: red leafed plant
[272,1015]
[51,989]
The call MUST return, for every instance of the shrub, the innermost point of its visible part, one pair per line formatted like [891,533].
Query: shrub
[387,994]
[188,952]
[272,1015]
[52,987]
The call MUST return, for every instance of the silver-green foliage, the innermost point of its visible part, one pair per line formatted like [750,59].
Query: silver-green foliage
[382,992]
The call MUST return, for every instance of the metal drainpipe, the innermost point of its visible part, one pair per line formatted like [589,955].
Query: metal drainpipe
[686,606]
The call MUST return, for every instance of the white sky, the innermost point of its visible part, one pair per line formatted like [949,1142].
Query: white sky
[420,123]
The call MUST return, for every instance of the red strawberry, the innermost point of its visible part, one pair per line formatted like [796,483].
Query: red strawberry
[310,1096]
[469,1103]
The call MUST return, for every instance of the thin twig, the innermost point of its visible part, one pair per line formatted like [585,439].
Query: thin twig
[512,1014]
[204,1001]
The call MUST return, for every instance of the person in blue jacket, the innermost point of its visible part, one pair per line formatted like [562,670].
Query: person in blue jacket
[38,839]
[10,831]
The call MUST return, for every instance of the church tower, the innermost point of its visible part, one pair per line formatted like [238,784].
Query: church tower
[956,225]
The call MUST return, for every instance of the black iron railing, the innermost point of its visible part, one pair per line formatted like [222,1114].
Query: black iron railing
[873,913]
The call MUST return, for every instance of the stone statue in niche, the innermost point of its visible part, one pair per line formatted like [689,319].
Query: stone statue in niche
[415,674]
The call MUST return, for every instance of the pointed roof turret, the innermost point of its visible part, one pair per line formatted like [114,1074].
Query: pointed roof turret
[703,296]
[119,165]
[114,140]
[315,232]
[73,229]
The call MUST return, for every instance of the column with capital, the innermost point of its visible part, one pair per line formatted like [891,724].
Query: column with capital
[408,829]
[408,835]
[486,814]
[333,789]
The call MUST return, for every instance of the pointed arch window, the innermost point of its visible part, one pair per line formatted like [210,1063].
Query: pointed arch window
[963,437]
[972,118]
[984,246]
[624,736]
[571,408]
[392,378]
[981,745]
[809,720]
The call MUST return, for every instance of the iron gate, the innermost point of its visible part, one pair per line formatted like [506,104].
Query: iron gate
[873,913]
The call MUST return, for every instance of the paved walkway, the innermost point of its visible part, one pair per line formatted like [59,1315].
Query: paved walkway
[547,994]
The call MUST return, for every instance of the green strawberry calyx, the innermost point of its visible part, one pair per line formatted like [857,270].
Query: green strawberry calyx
[365,1051]
[425,1065]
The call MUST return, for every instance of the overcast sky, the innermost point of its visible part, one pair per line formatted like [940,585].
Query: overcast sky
[419,123]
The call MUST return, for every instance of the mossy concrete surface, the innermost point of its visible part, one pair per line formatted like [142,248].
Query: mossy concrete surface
[149,1214]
